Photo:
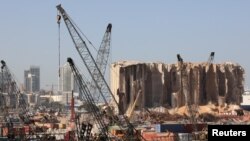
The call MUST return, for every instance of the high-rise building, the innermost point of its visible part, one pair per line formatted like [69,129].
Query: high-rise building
[66,80]
[26,80]
[35,76]
[32,79]
[67,83]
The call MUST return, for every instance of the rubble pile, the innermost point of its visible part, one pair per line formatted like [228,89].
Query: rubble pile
[205,113]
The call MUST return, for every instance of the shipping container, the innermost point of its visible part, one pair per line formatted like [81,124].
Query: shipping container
[172,127]
[167,136]
[179,127]
[149,136]
[154,136]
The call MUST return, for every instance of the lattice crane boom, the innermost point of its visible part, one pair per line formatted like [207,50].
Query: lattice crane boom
[104,51]
[102,59]
[191,108]
[88,98]
[11,86]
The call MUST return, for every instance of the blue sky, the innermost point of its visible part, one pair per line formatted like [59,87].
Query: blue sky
[142,30]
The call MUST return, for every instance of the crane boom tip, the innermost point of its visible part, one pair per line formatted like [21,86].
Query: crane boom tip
[70,61]
[3,62]
[59,5]
[109,27]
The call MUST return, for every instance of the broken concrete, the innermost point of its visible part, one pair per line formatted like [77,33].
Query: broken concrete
[174,85]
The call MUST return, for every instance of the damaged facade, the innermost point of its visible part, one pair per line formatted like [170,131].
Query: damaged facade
[173,85]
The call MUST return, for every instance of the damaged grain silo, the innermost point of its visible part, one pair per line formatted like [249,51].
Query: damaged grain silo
[173,85]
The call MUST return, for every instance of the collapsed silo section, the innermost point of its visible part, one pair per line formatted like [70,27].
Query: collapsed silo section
[175,85]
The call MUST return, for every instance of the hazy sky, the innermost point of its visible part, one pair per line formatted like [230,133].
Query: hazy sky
[142,30]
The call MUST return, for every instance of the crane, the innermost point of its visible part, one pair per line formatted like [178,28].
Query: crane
[191,108]
[91,65]
[179,58]
[89,99]
[9,85]
[211,58]
[5,88]
[102,53]
[3,103]
[86,55]
[102,60]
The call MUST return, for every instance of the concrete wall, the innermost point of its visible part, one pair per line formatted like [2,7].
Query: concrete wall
[174,85]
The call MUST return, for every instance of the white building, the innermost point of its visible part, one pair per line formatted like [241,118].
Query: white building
[67,84]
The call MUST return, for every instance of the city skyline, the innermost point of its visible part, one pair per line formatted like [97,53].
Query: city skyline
[143,30]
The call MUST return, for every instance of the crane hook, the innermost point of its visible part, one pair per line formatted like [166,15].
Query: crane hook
[58,18]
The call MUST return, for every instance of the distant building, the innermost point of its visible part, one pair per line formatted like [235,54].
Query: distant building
[26,81]
[31,99]
[66,80]
[67,83]
[32,79]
